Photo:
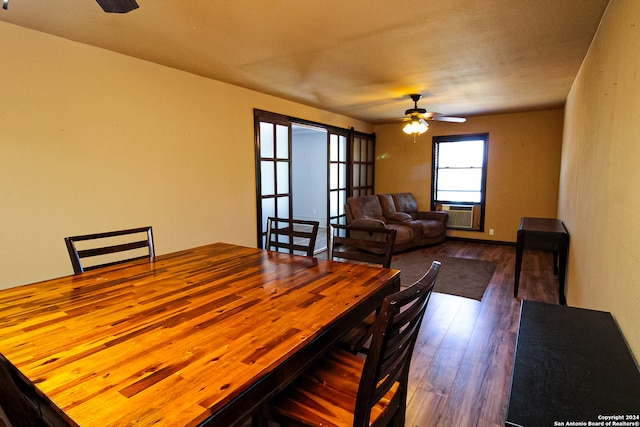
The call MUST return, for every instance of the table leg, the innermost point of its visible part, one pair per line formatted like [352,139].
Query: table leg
[519,252]
[562,268]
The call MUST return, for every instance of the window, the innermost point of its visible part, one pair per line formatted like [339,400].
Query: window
[459,179]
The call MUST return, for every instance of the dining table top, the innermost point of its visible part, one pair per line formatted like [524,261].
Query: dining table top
[197,337]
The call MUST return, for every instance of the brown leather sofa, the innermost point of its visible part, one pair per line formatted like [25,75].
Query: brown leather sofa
[399,211]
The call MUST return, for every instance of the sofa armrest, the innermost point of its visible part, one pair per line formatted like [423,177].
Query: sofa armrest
[441,216]
[368,223]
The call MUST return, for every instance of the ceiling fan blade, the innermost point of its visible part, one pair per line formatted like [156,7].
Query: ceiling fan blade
[118,6]
[449,119]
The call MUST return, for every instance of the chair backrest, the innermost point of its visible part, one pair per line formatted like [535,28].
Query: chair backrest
[370,245]
[292,235]
[121,246]
[394,336]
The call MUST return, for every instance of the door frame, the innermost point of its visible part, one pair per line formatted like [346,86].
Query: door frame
[352,138]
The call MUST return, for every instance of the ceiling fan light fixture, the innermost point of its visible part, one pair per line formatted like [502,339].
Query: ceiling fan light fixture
[418,118]
[415,126]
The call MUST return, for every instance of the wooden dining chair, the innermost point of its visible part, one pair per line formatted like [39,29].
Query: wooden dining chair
[291,235]
[364,245]
[367,245]
[21,405]
[110,248]
[342,389]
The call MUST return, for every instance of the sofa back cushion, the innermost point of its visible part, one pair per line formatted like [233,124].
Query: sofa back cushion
[405,202]
[364,207]
[389,209]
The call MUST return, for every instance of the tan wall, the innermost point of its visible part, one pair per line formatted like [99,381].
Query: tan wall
[91,141]
[599,198]
[523,167]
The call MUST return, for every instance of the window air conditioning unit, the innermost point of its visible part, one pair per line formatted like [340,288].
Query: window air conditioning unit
[460,216]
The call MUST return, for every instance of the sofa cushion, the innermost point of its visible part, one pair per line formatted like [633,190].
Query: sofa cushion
[406,202]
[430,228]
[389,209]
[404,234]
[365,207]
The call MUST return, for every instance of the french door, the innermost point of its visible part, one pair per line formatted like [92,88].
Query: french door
[350,168]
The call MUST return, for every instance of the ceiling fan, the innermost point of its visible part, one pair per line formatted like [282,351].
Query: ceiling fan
[421,113]
[118,6]
[109,6]
[418,117]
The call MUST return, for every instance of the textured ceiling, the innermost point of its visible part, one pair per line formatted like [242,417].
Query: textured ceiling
[354,57]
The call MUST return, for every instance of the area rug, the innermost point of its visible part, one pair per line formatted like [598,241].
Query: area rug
[463,277]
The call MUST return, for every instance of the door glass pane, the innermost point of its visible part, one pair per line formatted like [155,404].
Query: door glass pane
[343,175]
[333,175]
[333,148]
[333,196]
[343,148]
[283,207]
[283,177]
[342,220]
[372,154]
[282,142]
[356,149]
[266,140]
[268,209]
[356,175]
[342,199]
[267,178]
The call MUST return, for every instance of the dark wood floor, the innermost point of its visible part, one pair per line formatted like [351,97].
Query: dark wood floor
[462,362]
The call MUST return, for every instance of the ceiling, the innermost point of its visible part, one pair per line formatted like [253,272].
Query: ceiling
[353,57]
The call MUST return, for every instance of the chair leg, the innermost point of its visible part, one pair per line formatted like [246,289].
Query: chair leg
[257,420]
[400,415]
[398,418]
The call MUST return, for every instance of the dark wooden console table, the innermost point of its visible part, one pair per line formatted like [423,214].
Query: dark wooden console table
[571,364]
[547,234]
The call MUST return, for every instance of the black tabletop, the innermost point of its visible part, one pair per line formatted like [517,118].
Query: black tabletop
[571,365]
[542,225]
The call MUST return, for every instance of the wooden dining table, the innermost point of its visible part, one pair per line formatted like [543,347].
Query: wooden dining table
[197,337]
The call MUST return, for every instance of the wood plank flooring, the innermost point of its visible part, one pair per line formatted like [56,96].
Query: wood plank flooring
[461,367]
[462,363]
